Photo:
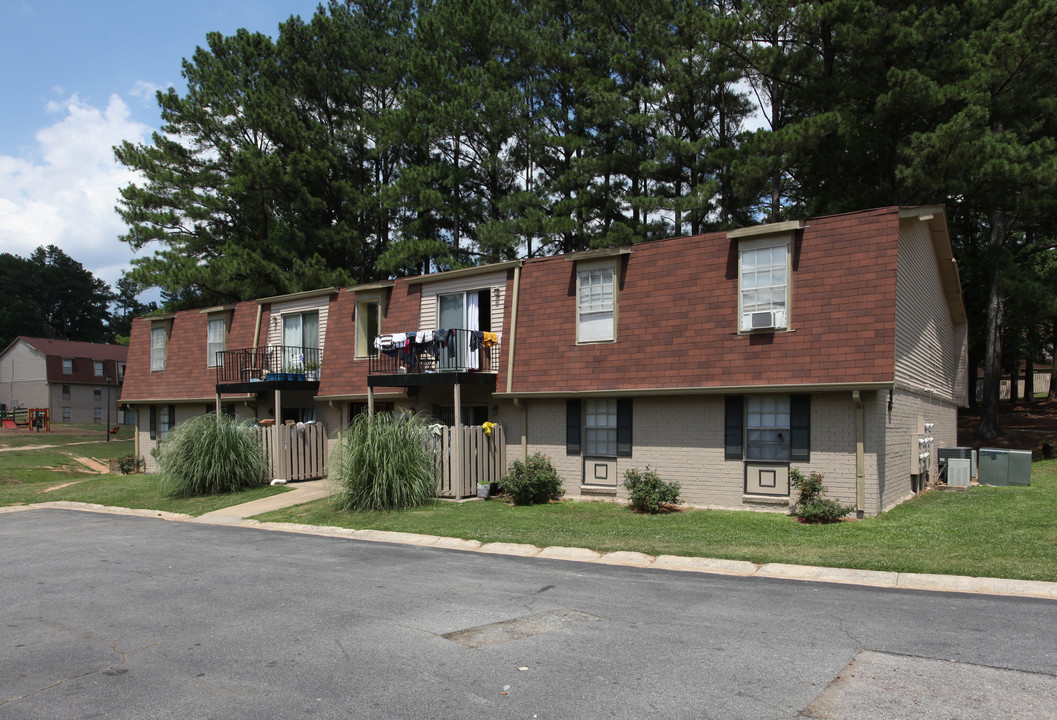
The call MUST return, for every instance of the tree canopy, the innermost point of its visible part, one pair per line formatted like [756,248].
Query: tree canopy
[51,295]
[389,137]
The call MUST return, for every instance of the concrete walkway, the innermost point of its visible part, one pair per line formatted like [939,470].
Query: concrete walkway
[237,515]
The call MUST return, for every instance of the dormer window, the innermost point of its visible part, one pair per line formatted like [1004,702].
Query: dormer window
[596,302]
[215,335]
[159,340]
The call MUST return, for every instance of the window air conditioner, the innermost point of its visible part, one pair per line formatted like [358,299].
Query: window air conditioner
[762,320]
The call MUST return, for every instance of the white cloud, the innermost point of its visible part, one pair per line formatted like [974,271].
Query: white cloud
[65,192]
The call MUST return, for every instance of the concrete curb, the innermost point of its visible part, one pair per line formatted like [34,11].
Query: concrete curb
[677,563]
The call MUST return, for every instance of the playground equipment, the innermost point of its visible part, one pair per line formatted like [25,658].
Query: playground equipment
[32,418]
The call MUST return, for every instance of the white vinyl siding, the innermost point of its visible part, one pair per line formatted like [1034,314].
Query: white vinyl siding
[215,341]
[767,427]
[277,328]
[930,348]
[158,341]
[595,305]
[600,428]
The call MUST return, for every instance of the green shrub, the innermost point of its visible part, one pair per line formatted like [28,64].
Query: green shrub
[130,464]
[647,492]
[208,455]
[535,481]
[383,463]
[811,507]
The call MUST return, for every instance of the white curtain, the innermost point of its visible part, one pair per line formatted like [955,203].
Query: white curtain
[473,322]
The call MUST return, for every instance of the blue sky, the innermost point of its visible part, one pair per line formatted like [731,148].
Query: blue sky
[77,78]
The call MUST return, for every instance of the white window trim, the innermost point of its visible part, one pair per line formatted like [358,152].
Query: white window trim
[211,349]
[364,346]
[782,315]
[613,265]
[158,352]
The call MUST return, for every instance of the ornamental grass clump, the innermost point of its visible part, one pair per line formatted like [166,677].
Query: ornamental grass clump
[535,481]
[384,463]
[811,507]
[208,456]
[647,493]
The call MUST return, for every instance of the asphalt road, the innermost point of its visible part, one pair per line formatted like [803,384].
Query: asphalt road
[105,616]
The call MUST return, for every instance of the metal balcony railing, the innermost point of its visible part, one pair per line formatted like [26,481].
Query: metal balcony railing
[272,363]
[457,351]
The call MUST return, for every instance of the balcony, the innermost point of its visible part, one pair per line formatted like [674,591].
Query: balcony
[461,356]
[275,367]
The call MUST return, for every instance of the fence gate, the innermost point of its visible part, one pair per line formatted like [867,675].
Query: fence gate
[295,452]
[483,459]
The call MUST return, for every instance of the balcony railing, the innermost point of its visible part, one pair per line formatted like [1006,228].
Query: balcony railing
[458,351]
[273,363]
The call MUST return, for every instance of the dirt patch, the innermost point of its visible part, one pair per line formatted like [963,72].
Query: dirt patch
[59,487]
[99,466]
[1025,426]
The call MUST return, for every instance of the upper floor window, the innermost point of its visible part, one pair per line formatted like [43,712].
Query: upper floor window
[121,372]
[215,333]
[97,393]
[595,303]
[368,326]
[158,343]
[301,340]
[67,366]
[764,281]
[65,392]
[99,368]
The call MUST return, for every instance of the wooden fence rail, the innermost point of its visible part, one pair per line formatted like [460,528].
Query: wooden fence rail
[483,459]
[295,452]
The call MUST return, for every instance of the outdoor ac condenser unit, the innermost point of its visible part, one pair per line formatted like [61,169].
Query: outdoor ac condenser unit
[958,472]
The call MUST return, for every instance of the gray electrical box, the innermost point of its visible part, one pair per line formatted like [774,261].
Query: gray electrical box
[1004,467]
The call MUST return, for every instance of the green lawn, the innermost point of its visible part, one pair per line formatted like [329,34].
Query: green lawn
[986,531]
[25,476]
[64,433]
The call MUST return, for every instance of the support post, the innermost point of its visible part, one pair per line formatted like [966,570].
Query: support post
[370,402]
[860,469]
[456,465]
[277,437]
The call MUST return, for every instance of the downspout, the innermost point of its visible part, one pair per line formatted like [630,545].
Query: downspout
[860,464]
[510,363]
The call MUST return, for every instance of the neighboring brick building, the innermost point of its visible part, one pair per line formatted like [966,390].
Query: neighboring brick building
[836,344]
[71,379]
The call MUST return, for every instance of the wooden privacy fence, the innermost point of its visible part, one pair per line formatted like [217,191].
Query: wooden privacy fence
[483,459]
[295,452]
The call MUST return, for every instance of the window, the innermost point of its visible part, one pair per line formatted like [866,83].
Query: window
[215,341]
[97,415]
[121,372]
[764,284]
[97,393]
[605,427]
[99,368]
[65,392]
[368,326]
[66,414]
[300,339]
[158,342]
[600,428]
[67,366]
[595,304]
[162,420]
[768,427]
